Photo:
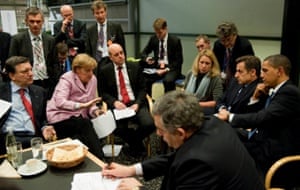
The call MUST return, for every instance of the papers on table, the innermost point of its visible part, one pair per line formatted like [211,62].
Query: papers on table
[123,113]
[7,171]
[149,70]
[93,181]
[104,124]
[4,105]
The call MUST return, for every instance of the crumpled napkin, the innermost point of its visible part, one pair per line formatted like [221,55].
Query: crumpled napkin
[7,171]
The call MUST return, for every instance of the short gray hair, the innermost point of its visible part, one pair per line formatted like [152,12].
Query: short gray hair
[179,109]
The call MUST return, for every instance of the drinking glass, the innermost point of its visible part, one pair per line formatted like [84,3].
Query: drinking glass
[37,148]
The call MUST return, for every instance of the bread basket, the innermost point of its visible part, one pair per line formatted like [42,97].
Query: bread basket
[68,162]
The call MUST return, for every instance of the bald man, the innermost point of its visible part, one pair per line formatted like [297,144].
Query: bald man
[71,31]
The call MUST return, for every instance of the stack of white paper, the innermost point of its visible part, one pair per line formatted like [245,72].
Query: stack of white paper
[93,181]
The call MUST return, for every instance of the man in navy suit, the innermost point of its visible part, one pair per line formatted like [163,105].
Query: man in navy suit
[167,60]
[101,34]
[228,48]
[24,43]
[109,87]
[275,128]
[237,97]
[70,31]
[208,153]
[20,74]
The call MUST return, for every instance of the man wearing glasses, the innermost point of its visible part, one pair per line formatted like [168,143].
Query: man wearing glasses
[228,47]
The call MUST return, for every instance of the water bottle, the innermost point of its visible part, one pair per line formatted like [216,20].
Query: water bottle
[9,141]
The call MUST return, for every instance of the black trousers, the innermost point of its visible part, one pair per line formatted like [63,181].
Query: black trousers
[134,136]
[168,79]
[82,129]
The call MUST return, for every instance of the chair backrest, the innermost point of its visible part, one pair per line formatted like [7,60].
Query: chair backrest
[284,173]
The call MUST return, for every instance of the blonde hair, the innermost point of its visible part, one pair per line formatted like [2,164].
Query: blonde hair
[159,23]
[215,69]
[83,60]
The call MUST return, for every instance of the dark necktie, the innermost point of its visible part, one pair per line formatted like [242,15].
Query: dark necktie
[123,90]
[268,101]
[100,43]
[162,50]
[101,36]
[27,105]
[71,31]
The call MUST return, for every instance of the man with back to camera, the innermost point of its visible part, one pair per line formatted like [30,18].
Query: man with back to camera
[204,157]
[167,60]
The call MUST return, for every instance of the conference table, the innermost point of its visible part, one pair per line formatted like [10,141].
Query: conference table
[56,178]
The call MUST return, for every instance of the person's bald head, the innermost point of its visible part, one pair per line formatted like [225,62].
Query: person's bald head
[66,12]
[116,54]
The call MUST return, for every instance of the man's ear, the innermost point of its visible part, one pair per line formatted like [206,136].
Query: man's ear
[181,132]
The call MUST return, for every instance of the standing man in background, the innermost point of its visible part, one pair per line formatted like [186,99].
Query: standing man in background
[101,34]
[202,42]
[37,46]
[167,60]
[70,31]
[228,48]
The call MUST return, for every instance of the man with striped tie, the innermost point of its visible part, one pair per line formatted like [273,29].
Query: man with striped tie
[37,46]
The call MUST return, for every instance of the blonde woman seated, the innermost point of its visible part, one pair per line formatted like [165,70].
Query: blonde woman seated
[73,104]
[204,80]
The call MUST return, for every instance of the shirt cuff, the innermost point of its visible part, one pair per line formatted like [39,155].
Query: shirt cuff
[138,169]
[77,106]
[230,118]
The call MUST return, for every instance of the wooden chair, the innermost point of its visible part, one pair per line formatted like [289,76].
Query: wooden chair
[284,174]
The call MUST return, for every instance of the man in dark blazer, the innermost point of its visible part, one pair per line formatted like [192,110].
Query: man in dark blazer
[167,60]
[208,154]
[70,31]
[20,74]
[110,89]
[4,47]
[237,97]
[112,33]
[22,44]
[228,48]
[275,128]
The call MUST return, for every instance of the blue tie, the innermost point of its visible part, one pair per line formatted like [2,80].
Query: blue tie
[268,101]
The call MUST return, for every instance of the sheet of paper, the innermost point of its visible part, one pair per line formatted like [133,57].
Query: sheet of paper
[93,181]
[7,171]
[104,124]
[124,113]
[4,105]
[149,70]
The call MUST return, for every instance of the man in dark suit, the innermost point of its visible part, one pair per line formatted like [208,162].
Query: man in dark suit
[20,74]
[167,60]
[132,96]
[237,97]
[70,31]
[37,46]
[228,48]
[208,153]
[4,47]
[275,128]
[101,34]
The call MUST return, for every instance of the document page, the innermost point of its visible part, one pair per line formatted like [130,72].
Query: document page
[93,181]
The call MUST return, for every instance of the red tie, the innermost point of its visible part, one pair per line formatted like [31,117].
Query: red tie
[27,105]
[123,90]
